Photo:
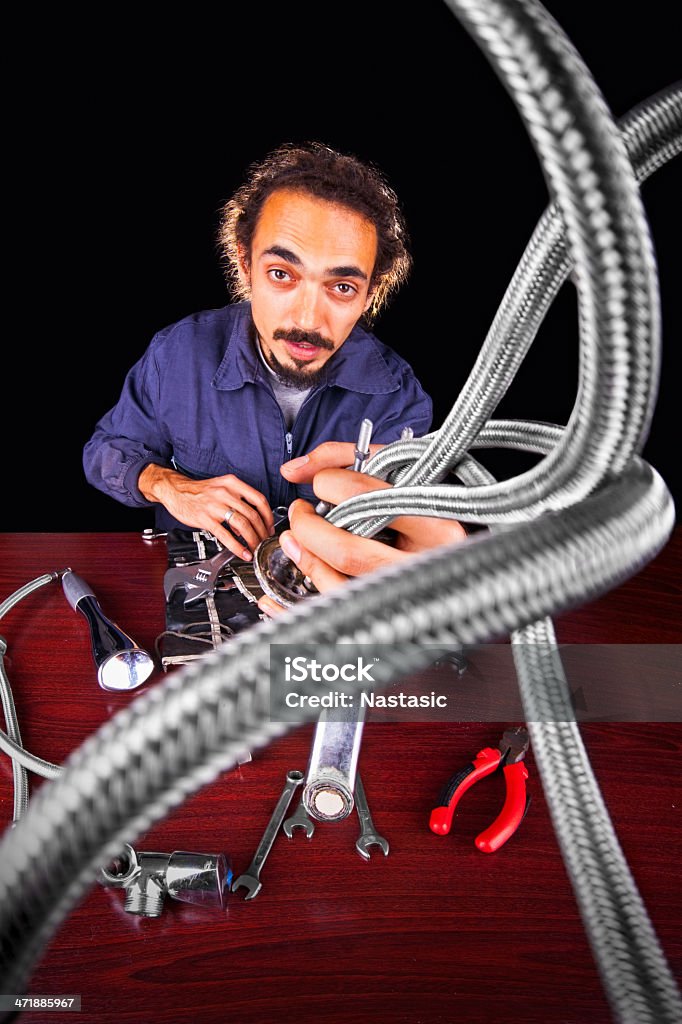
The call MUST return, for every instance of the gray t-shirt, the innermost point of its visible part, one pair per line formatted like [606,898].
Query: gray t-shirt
[289,398]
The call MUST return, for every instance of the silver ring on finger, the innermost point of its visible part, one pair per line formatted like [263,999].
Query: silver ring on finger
[228,515]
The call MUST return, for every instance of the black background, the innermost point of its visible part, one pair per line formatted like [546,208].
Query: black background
[125,136]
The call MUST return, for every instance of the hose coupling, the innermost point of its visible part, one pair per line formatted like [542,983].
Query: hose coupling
[202,879]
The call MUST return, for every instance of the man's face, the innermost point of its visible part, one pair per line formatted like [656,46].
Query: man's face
[309,270]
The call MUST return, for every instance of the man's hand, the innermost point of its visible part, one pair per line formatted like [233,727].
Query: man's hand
[204,504]
[328,555]
[332,454]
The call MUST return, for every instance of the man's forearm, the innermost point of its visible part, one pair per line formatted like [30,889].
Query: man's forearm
[154,482]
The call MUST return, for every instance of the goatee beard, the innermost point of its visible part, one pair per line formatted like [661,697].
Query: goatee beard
[299,376]
[294,376]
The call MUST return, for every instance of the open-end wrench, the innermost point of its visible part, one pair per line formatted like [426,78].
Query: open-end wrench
[251,877]
[368,836]
[299,819]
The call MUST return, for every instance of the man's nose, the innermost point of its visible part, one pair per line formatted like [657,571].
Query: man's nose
[308,307]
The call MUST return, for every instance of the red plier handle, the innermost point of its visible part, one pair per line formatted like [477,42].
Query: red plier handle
[515,805]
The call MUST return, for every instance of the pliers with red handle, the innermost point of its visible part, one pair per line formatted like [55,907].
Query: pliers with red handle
[509,756]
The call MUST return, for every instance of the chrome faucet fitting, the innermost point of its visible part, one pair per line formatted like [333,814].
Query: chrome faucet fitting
[198,878]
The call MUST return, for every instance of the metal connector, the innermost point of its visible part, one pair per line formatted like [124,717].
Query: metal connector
[202,879]
[330,783]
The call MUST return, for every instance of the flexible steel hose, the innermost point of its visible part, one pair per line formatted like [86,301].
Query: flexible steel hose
[583,158]
[640,987]
[652,134]
[10,741]
[636,977]
[631,962]
[24,758]
[521,435]
[181,734]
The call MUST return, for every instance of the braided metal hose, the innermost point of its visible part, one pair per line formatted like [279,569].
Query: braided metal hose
[632,964]
[180,735]
[10,741]
[636,977]
[652,134]
[585,163]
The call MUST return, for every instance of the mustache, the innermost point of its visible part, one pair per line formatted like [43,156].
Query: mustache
[296,335]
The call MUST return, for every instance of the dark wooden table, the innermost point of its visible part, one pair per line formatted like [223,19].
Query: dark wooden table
[434,932]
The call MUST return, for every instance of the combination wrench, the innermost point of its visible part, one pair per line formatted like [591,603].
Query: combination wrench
[299,819]
[251,877]
[368,835]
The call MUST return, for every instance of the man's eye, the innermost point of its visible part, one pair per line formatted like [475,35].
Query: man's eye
[278,275]
[345,289]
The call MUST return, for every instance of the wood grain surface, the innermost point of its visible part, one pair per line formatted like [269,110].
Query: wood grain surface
[435,932]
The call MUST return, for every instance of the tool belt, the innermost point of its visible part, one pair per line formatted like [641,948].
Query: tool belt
[193,630]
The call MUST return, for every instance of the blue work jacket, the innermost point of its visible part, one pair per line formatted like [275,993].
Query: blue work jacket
[200,400]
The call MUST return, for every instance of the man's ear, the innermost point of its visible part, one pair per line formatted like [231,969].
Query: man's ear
[243,266]
[370,298]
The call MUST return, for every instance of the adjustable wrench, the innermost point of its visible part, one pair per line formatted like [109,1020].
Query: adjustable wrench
[198,579]
[251,877]
[368,835]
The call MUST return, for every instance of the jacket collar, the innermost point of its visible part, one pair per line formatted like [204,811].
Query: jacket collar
[357,366]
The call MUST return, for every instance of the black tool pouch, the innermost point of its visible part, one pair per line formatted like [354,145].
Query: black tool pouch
[193,630]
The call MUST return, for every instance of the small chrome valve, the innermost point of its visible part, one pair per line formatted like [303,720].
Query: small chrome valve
[202,879]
